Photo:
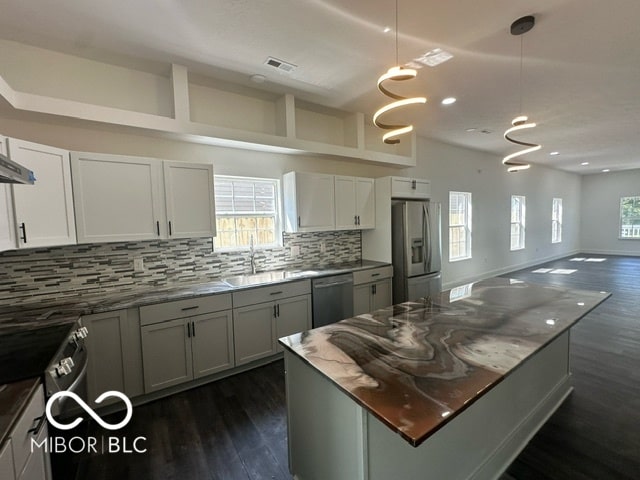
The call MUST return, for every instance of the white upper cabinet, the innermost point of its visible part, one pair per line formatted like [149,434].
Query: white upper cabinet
[125,198]
[7,222]
[43,211]
[355,203]
[402,187]
[189,199]
[309,202]
[117,198]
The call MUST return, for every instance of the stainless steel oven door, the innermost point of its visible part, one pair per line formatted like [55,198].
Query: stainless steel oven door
[68,372]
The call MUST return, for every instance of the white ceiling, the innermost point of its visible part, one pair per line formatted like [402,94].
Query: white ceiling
[581,62]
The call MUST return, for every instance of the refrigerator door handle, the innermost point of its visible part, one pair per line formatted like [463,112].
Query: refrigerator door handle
[427,237]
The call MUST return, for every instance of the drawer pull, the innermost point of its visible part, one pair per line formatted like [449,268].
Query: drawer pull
[38,426]
[190,308]
[276,293]
[375,274]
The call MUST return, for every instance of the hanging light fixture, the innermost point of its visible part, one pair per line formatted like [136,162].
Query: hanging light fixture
[521,122]
[397,73]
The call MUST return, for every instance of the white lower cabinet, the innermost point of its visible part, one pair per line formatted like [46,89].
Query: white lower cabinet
[262,315]
[372,290]
[17,459]
[114,356]
[180,344]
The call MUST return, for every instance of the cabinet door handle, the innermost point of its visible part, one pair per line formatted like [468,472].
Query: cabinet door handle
[158,226]
[190,308]
[413,184]
[355,219]
[373,289]
[170,233]
[275,312]
[38,426]
[299,223]
[193,329]
[189,329]
[23,227]
[278,310]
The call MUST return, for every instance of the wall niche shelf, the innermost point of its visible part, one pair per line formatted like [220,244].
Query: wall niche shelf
[209,111]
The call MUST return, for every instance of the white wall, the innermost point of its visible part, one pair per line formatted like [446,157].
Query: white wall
[601,212]
[448,167]
[457,169]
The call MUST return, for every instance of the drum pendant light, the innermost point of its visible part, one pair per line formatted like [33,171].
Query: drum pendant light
[397,73]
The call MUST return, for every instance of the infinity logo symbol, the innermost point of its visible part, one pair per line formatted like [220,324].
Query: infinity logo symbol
[89,410]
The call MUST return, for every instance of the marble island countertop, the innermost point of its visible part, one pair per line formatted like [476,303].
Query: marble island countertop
[415,366]
[36,314]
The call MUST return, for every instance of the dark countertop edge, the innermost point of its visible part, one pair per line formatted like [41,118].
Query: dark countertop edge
[25,390]
[416,442]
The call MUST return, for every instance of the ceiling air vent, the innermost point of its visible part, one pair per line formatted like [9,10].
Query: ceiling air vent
[280,65]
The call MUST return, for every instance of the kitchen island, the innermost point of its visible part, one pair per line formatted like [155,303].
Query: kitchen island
[449,389]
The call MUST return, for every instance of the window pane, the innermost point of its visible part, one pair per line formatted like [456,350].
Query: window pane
[246,208]
[630,217]
[459,225]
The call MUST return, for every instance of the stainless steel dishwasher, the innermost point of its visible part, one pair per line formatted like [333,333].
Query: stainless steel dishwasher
[332,299]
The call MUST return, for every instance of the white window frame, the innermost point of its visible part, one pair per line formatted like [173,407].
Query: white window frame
[634,230]
[277,214]
[556,220]
[519,223]
[464,224]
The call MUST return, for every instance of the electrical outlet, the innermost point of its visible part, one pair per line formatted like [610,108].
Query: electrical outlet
[138,264]
[295,251]
[323,247]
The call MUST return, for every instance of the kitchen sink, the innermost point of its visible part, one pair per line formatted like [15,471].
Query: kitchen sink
[265,277]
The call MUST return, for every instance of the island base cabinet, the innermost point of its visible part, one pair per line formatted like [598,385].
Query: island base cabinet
[350,443]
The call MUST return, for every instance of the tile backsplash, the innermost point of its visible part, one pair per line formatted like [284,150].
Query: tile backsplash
[46,274]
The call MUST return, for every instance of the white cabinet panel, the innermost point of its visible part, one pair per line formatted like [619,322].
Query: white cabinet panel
[253,332]
[44,211]
[117,198]
[365,202]
[309,200]
[293,315]
[166,350]
[402,187]
[6,461]
[346,213]
[189,199]
[212,343]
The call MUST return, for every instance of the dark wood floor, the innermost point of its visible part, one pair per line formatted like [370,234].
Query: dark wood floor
[236,428]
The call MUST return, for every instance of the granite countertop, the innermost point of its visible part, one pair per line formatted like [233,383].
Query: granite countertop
[13,400]
[38,314]
[415,366]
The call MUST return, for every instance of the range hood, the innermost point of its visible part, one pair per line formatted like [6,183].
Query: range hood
[11,172]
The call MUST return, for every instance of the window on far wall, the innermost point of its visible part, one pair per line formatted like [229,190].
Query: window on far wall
[556,221]
[518,213]
[246,207]
[630,217]
[459,226]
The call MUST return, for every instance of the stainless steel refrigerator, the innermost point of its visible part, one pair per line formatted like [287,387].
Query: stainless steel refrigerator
[416,249]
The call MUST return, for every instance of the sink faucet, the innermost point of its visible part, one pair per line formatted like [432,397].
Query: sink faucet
[252,255]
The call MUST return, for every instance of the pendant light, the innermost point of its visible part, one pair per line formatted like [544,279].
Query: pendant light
[521,122]
[397,73]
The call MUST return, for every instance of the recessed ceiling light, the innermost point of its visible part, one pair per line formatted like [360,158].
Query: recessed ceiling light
[448,101]
[257,78]
[554,153]
[605,170]
[386,30]
[471,129]
[584,163]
